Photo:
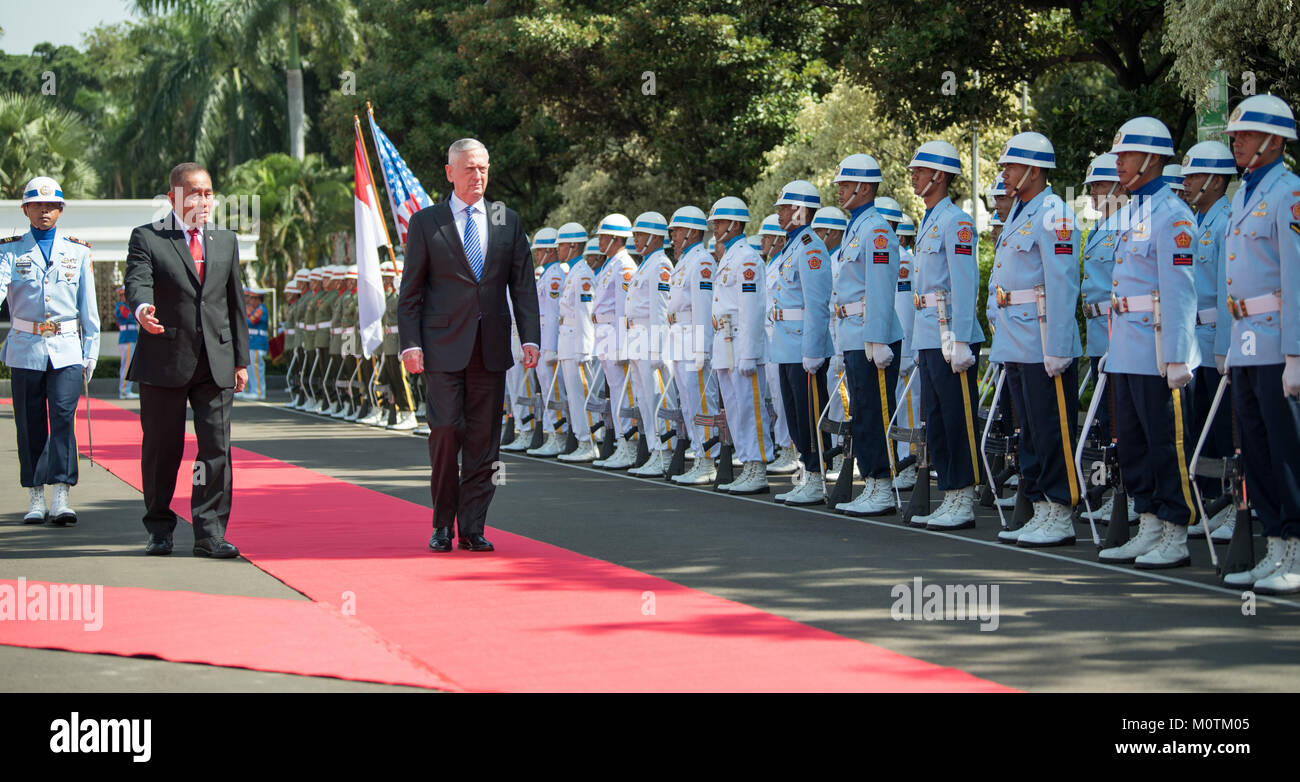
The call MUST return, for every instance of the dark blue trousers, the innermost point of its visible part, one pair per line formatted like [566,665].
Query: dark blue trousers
[950,430]
[45,413]
[1155,445]
[1218,443]
[869,411]
[1269,425]
[802,410]
[1046,458]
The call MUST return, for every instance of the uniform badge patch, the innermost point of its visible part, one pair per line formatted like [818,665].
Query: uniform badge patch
[961,249]
[814,261]
[1295,210]
[904,271]
[807,239]
[749,274]
[586,286]
[1063,234]
[1063,248]
[555,284]
[1182,259]
[880,257]
[881,242]
[964,235]
[1183,240]
[627,275]
[663,275]
[706,272]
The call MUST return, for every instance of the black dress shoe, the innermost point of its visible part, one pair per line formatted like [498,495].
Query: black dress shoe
[215,547]
[441,540]
[475,543]
[159,545]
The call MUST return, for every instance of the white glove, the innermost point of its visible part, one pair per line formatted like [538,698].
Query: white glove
[881,355]
[837,366]
[1221,363]
[747,366]
[962,359]
[1056,365]
[1178,375]
[88,368]
[811,365]
[905,365]
[550,357]
[1291,376]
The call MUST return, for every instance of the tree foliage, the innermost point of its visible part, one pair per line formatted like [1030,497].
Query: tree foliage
[37,139]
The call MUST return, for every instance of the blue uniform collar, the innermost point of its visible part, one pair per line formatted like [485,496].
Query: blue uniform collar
[732,241]
[690,247]
[45,241]
[793,233]
[1030,205]
[860,210]
[547,266]
[1252,178]
[1150,188]
[937,207]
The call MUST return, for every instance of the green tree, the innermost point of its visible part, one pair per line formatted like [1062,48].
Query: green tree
[38,138]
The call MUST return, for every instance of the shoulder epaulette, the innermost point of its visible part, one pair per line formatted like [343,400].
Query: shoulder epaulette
[9,239]
[76,240]
[807,239]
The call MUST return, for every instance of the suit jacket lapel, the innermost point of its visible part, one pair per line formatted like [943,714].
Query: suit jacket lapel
[447,225]
[177,236]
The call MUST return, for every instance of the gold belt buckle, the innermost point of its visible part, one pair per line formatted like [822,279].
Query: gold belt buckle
[916,300]
[47,328]
[1003,297]
[1115,303]
[1236,310]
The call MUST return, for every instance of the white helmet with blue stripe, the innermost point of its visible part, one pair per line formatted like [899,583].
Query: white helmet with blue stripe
[615,225]
[906,227]
[729,208]
[1264,114]
[1209,157]
[1030,149]
[571,233]
[1172,175]
[858,168]
[755,242]
[544,239]
[889,209]
[938,155]
[691,217]
[830,217]
[800,192]
[42,189]
[1143,134]
[771,226]
[593,247]
[651,223]
[1102,169]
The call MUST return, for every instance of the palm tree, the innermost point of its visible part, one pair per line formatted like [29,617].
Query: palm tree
[255,23]
[39,139]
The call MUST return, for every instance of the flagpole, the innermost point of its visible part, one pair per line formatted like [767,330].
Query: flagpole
[365,156]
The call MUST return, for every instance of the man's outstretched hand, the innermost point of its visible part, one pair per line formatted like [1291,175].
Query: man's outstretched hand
[148,321]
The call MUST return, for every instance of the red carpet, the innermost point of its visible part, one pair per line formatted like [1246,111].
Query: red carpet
[531,617]
[288,636]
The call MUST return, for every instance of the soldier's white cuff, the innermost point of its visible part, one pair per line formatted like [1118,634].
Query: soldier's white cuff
[141,307]
[411,350]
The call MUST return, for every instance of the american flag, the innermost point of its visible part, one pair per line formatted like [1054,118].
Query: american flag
[405,193]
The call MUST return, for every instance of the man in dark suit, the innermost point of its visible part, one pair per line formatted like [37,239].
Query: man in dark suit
[462,257]
[183,284]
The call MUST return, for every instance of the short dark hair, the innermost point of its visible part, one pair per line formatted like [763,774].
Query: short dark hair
[183,171]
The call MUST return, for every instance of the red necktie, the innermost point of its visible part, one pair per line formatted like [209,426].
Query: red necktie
[196,252]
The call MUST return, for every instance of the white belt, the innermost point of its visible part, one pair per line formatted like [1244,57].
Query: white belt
[787,314]
[1006,298]
[47,328]
[1091,311]
[602,319]
[924,301]
[336,331]
[1207,317]
[638,323]
[309,327]
[678,320]
[1258,305]
[324,324]
[1131,303]
[849,310]
[390,329]
[290,332]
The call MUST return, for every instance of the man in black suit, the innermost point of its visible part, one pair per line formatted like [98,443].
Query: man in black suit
[183,283]
[462,258]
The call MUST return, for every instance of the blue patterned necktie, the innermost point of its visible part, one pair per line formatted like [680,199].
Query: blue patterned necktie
[473,253]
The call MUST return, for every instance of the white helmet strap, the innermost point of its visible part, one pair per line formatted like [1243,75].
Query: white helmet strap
[1259,150]
[933,178]
[1146,161]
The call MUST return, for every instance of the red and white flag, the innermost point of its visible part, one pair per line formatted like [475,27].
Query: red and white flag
[370,237]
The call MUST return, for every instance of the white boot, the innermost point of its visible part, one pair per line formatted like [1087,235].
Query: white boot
[1286,579]
[60,512]
[752,480]
[585,452]
[960,515]
[354,415]
[812,492]
[785,463]
[877,498]
[906,479]
[1170,553]
[944,506]
[1266,567]
[1224,532]
[1102,513]
[1150,533]
[833,474]
[550,447]
[799,480]
[1055,529]
[374,418]
[523,437]
[36,508]
[702,472]
[405,422]
[422,430]
[624,456]
[654,467]
[1035,521]
[1228,511]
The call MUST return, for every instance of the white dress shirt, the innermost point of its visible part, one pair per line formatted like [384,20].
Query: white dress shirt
[179,223]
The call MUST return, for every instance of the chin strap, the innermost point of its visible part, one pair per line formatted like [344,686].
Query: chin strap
[929,184]
[1146,161]
[1261,149]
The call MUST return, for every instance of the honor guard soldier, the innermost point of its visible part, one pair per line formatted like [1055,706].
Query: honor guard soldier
[1036,339]
[401,398]
[549,286]
[52,347]
[801,339]
[947,334]
[1172,176]
[829,223]
[772,238]
[516,375]
[339,361]
[867,330]
[258,343]
[646,311]
[739,342]
[608,314]
[1263,351]
[690,337]
[306,337]
[1153,348]
[324,316]
[289,327]
[128,330]
[905,309]
[1207,169]
[576,343]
